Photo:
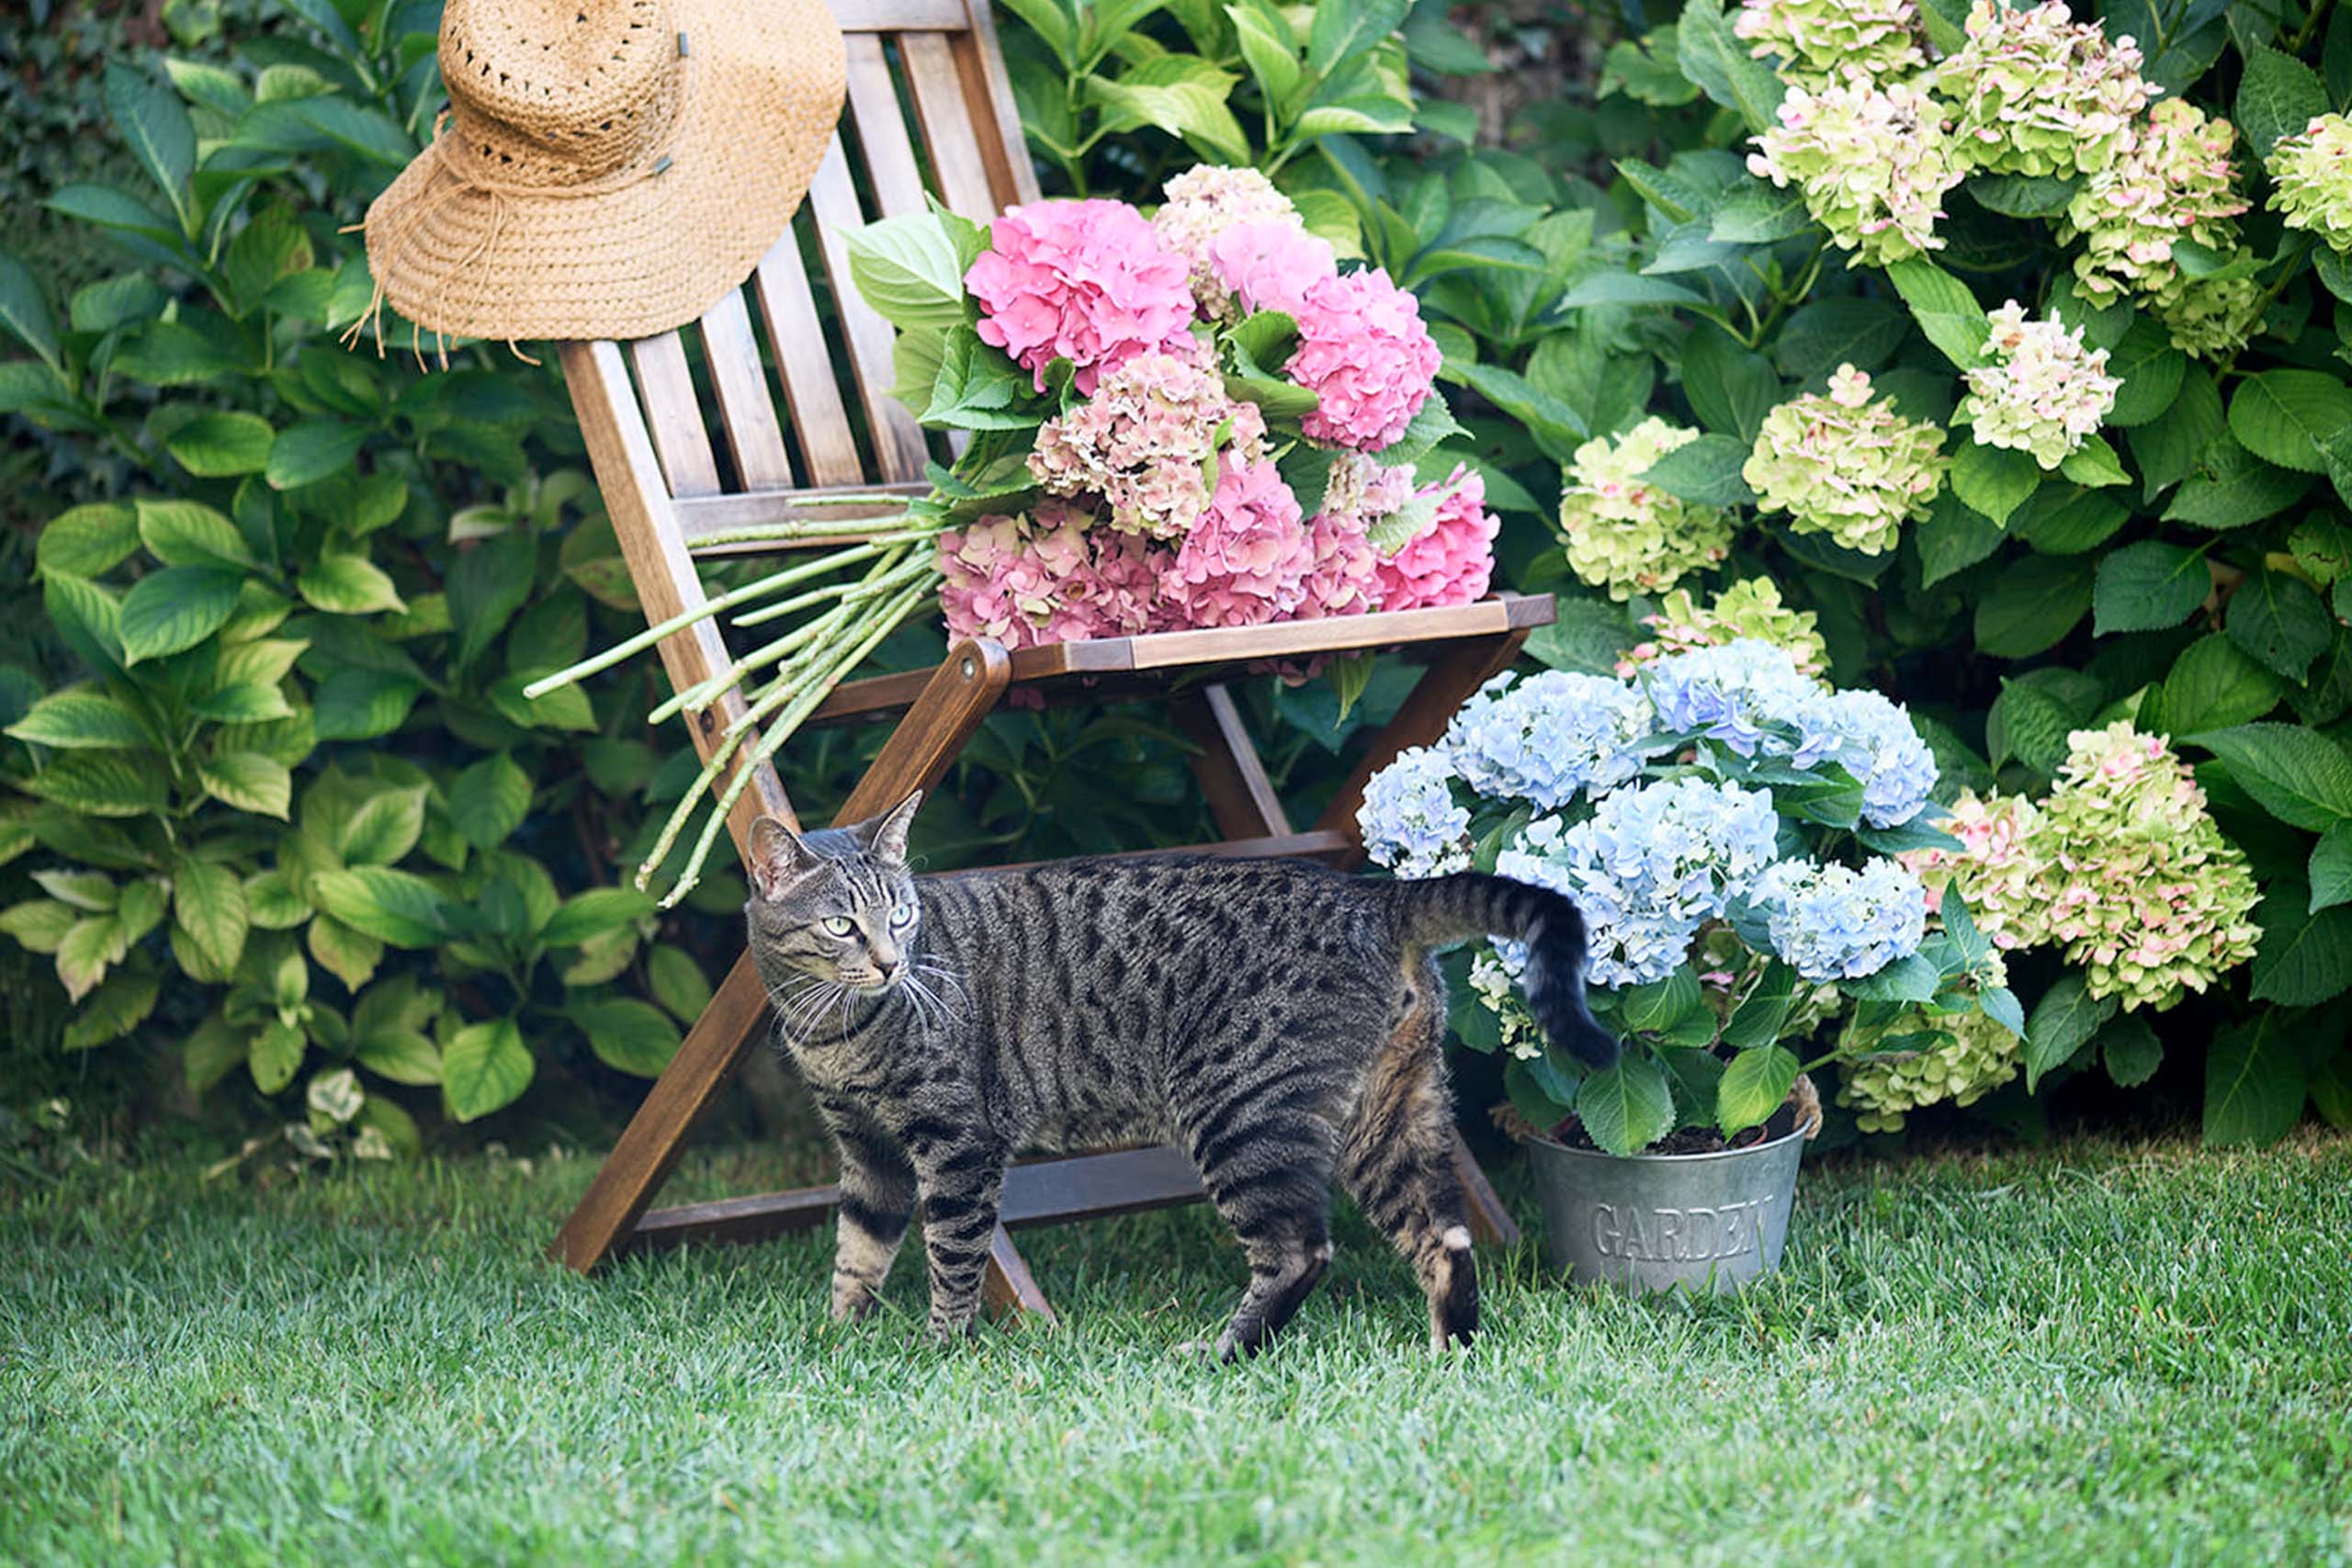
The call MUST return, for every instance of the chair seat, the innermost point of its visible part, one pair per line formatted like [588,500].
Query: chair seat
[1106,668]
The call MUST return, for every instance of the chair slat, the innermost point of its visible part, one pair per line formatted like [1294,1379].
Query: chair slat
[658,565]
[675,415]
[780,285]
[995,117]
[942,107]
[898,453]
[746,407]
[882,129]
[702,517]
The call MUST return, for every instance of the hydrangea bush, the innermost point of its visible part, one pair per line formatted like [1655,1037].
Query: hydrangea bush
[1733,829]
[1994,357]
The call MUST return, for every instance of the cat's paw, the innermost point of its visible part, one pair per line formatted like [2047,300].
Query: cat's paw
[854,1303]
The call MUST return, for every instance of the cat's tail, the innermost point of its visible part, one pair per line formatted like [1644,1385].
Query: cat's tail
[1441,910]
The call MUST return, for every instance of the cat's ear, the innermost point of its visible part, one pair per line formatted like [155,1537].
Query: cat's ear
[886,837]
[777,857]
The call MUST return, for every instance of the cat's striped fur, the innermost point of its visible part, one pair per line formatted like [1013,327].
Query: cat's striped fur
[1278,1021]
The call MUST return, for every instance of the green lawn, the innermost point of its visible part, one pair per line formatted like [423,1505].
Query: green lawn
[2105,1353]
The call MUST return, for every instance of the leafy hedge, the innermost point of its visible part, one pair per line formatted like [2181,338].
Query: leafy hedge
[285,813]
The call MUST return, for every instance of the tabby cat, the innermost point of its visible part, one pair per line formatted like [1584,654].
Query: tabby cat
[1276,1019]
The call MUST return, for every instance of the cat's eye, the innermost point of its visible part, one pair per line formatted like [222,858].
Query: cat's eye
[840,925]
[902,914]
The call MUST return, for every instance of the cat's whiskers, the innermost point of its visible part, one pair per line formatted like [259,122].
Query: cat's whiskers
[946,976]
[808,1005]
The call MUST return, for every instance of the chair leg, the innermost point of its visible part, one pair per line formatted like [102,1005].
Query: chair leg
[649,1148]
[1489,1221]
[1007,1290]
[1240,797]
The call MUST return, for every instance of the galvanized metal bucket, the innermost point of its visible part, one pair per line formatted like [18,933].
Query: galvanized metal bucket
[1695,1223]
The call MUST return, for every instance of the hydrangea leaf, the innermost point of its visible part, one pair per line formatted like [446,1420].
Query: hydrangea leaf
[1627,1107]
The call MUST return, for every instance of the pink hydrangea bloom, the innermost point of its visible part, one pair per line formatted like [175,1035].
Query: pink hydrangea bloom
[1048,577]
[1143,440]
[1365,352]
[1086,281]
[1246,560]
[1269,266]
[1451,561]
[1344,579]
[1202,203]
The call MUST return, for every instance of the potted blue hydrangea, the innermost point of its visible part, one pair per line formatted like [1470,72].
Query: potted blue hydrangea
[1728,823]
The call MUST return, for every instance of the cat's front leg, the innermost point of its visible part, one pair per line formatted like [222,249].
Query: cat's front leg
[961,1184]
[877,1199]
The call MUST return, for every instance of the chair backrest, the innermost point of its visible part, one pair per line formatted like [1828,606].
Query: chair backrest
[930,109]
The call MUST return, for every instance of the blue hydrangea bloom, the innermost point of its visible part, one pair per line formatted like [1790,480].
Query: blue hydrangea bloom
[1544,739]
[1832,922]
[1728,692]
[1651,865]
[1872,738]
[1410,821]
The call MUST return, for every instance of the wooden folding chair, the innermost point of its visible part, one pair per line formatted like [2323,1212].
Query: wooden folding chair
[841,438]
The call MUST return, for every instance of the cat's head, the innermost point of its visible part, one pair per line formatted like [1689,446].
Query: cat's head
[837,904]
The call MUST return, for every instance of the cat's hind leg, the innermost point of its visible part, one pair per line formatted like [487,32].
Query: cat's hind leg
[1397,1158]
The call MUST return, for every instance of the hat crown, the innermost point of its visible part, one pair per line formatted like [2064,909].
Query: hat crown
[560,92]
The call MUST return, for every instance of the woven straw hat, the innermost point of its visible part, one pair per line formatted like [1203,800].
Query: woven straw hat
[607,168]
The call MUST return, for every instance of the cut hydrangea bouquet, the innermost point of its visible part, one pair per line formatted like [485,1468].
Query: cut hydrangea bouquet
[1198,418]
[1731,827]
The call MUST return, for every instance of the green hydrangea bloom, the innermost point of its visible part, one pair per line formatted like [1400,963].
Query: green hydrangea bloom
[1977,1056]
[1874,164]
[2174,181]
[2211,318]
[2041,389]
[2311,179]
[2146,896]
[1628,536]
[1748,608]
[2036,93]
[1846,464]
[1822,41]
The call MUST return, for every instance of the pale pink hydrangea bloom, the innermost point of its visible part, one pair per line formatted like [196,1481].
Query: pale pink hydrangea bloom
[2043,391]
[1451,561]
[1874,164]
[1143,440]
[1202,203]
[2313,169]
[2141,887]
[1245,561]
[1819,41]
[1846,464]
[2172,181]
[1269,266]
[1086,281]
[2035,92]
[1363,352]
[1045,578]
[1997,867]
